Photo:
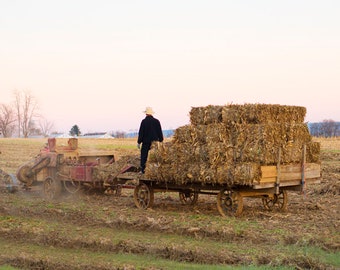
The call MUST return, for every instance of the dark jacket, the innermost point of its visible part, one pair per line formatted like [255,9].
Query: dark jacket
[150,130]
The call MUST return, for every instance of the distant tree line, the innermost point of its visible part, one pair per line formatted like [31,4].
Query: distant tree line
[22,118]
[118,134]
[327,128]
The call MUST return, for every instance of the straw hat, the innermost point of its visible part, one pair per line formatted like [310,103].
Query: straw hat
[149,110]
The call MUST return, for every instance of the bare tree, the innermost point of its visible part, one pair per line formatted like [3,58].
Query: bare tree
[17,105]
[329,128]
[26,108]
[33,129]
[45,126]
[7,120]
[119,134]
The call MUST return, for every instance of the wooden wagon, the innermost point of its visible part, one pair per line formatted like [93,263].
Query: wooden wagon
[271,188]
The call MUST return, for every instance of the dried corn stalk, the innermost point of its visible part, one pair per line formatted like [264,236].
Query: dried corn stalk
[228,144]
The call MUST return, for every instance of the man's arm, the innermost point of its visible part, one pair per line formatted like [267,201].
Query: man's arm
[160,132]
[140,133]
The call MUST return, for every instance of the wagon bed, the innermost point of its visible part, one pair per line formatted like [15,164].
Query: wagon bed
[271,188]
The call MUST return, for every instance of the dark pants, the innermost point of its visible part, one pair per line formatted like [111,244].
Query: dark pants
[144,155]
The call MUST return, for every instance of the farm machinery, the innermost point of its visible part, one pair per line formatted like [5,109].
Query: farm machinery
[8,182]
[58,167]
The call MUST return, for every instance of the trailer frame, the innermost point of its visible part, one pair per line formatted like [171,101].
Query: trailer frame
[272,188]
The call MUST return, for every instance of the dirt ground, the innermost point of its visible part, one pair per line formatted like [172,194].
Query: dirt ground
[257,237]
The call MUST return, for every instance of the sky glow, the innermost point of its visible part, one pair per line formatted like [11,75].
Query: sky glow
[98,64]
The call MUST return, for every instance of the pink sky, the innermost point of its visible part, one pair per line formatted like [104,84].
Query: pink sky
[98,64]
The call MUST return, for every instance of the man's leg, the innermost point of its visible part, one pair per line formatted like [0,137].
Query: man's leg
[144,155]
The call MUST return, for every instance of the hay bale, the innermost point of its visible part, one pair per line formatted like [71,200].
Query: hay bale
[182,134]
[190,134]
[238,174]
[261,142]
[262,113]
[229,144]
[160,172]
[181,173]
[313,152]
[216,133]
[107,172]
[205,115]
[160,152]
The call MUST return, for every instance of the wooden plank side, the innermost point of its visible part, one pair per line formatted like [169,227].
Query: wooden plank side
[290,183]
[269,174]
[268,171]
[293,172]
[294,168]
[290,172]
[268,180]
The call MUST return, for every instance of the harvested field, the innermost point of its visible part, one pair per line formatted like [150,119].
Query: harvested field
[90,230]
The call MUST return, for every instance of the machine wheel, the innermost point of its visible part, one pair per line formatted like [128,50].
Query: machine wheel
[25,174]
[10,181]
[72,186]
[52,188]
[143,196]
[188,197]
[229,202]
[280,200]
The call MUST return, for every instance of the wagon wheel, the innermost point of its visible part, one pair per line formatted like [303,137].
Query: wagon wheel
[52,188]
[143,196]
[269,201]
[229,202]
[280,200]
[188,197]
[72,186]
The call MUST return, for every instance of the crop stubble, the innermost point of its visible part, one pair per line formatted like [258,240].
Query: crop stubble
[35,232]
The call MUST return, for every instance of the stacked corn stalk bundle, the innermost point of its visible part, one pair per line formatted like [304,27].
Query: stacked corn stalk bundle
[229,144]
[108,172]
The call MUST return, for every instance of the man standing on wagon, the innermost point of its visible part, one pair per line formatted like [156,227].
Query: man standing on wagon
[150,130]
